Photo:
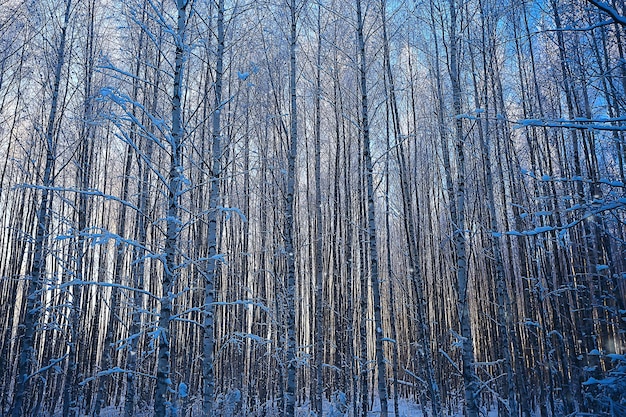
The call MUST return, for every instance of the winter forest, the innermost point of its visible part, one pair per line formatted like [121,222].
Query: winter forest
[312,208]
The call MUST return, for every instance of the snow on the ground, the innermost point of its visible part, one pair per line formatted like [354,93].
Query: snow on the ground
[406,408]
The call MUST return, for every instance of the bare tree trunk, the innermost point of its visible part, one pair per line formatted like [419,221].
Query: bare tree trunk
[173,221]
[37,270]
[390,271]
[411,233]
[104,382]
[139,251]
[71,387]
[484,132]
[390,284]
[343,152]
[138,282]
[214,201]
[469,376]
[319,267]
[371,217]
[292,152]
[364,363]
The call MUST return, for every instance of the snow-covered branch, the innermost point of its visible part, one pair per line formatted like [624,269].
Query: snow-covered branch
[608,9]
[605,124]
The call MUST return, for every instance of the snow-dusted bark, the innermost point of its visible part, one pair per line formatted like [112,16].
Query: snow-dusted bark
[371,216]
[292,152]
[139,251]
[319,243]
[412,235]
[114,304]
[214,199]
[37,271]
[173,220]
[470,379]
[71,389]
[503,299]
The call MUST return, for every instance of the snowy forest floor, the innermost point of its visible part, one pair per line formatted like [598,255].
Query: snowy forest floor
[407,408]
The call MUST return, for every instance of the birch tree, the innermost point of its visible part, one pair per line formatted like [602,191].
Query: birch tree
[411,231]
[371,214]
[37,269]
[458,222]
[319,238]
[289,220]
[171,266]
[214,200]
[491,134]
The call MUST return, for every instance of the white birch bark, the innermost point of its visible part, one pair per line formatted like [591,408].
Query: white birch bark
[411,235]
[37,271]
[469,375]
[71,387]
[173,221]
[319,294]
[290,392]
[503,299]
[141,231]
[214,200]
[371,218]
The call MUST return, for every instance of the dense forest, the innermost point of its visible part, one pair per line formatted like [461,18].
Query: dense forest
[312,207]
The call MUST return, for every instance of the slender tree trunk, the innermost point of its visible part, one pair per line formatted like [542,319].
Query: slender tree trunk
[138,282]
[484,132]
[214,201]
[345,207]
[371,217]
[319,267]
[104,388]
[411,233]
[71,387]
[289,220]
[173,221]
[142,226]
[390,273]
[469,376]
[364,363]
[570,375]
[141,233]
[37,270]
[390,283]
